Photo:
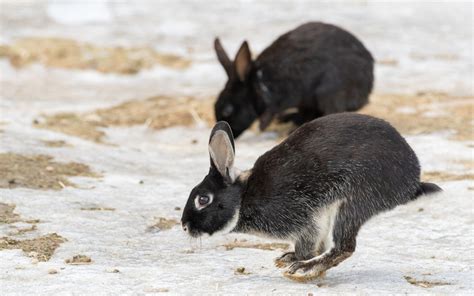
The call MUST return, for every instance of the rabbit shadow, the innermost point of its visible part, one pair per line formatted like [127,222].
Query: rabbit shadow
[363,277]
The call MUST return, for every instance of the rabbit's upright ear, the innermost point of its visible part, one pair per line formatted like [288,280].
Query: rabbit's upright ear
[222,150]
[243,61]
[223,57]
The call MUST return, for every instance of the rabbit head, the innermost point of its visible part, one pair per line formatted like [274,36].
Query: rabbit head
[213,204]
[236,102]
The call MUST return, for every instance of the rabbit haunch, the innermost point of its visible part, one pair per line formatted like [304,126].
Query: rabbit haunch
[315,189]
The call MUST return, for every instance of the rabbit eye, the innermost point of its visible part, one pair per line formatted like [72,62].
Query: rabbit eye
[227,111]
[201,201]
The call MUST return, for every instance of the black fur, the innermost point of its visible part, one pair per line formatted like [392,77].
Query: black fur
[358,164]
[317,68]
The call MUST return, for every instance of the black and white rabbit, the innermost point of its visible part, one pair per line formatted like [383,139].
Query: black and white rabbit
[315,189]
[317,68]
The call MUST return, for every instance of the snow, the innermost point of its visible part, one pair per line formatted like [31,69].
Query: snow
[434,244]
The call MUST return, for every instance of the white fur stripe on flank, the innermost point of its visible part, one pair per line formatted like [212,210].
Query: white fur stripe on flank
[325,220]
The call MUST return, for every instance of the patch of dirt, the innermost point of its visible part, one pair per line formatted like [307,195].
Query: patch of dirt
[79,260]
[97,209]
[56,144]
[20,231]
[162,224]
[74,125]
[71,54]
[445,176]
[7,215]
[40,248]
[241,271]
[262,246]
[425,113]
[38,172]
[425,284]
[156,112]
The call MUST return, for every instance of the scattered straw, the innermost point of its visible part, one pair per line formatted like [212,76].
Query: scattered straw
[425,113]
[445,176]
[156,112]
[70,54]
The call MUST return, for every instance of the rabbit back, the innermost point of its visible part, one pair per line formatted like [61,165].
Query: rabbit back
[318,67]
[357,159]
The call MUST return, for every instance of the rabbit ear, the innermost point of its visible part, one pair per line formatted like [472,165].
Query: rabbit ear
[243,61]
[222,151]
[223,57]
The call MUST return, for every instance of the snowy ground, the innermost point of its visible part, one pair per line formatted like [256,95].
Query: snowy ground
[432,44]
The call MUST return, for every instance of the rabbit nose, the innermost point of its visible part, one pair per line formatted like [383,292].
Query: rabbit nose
[185,226]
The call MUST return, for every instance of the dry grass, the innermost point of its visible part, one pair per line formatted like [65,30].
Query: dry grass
[74,125]
[434,176]
[425,113]
[410,114]
[156,112]
[41,248]
[71,54]
[38,172]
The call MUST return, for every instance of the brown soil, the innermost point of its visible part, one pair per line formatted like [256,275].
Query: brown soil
[56,144]
[41,248]
[79,260]
[425,284]
[156,112]
[261,246]
[70,54]
[7,215]
[162,224]
[38,172]
[241,271]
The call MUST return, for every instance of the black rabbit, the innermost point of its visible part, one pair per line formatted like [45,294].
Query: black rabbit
[317,68]
[315,189]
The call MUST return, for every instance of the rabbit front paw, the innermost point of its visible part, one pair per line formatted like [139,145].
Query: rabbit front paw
[304,271]
[285,260]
